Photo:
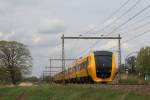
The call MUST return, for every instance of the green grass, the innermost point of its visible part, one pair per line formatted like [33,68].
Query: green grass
[60,92]
[132,79]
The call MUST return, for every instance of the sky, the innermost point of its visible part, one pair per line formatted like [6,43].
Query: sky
[39,24]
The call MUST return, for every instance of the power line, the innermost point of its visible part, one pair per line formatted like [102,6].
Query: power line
[147,17]
[129,19]
[138,27]
[136,36]
[126,12]
[138,44]
[109,17]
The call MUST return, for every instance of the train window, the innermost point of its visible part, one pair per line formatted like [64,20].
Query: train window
[76,68]
[85,65]
[82,66]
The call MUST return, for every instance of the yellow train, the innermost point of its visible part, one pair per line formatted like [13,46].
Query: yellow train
[97,66]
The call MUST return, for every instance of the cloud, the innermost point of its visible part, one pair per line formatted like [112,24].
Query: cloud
[91,26]
[110,21]
[108,45]
[52,26]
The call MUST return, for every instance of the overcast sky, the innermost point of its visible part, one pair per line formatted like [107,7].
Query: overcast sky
[39,24]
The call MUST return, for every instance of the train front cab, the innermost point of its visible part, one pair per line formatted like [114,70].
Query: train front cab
[102,66]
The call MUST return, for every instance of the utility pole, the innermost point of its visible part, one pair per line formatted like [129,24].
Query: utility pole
[63,57]
[119,55]
[50,76]
[119,51]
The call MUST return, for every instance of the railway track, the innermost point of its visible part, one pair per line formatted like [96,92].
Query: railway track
[136,88]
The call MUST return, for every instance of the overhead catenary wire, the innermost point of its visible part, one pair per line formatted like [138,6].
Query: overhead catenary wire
[133,47]
[138,13]
[137,28]
[110,16]
[137,36]
[136,22]
[122,15]
[133,38]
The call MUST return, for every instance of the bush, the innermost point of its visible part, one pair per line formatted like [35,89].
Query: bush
[132,79]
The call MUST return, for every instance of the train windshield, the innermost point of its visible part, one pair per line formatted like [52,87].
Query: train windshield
[103,65]
[103,61]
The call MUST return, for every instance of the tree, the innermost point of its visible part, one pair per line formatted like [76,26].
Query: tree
[143,60]
[4,76]
[15,58]
[131,63]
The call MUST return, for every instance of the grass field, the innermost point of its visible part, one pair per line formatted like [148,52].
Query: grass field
[60,92]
